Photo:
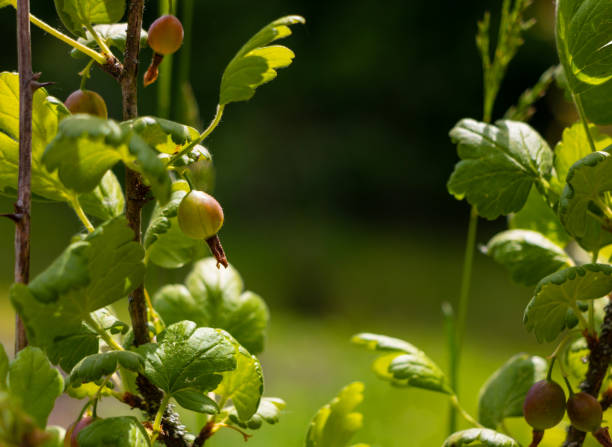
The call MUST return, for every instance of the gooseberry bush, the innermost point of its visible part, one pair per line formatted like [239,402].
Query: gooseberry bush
[558,205]
[186,348]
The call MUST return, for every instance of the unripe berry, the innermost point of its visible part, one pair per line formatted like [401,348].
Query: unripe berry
[199,215]
[72,434]
[584,412]
[86,101]
[544,405]
[165,35]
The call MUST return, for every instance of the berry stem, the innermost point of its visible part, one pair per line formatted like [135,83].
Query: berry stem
[536,438]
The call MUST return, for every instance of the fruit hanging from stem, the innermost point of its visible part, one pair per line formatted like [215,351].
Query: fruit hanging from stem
[543,408]
[72,434]
[201,217]
[86,101]
[165,37]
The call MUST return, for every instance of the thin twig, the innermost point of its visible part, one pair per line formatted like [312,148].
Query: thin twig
[24,194]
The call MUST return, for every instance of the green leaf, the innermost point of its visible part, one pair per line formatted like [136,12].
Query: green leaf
[113,35]
[123,431]
[244,385]
[165,136]
[188,358]
[528,255]
[95,367]
[214,298]
[4,3]
[268,411]
[538,216]
[587,181]
[68,350]
[479,437]
[35,384]
[88,276]
[574,146]
[335,424]
[403,364]
[196,401]
[77,14]
[583,30]
[106,319]
[4,367]
[503,394]
[256,63]
[106,201]
[166,245]
[558,293]
[499,164]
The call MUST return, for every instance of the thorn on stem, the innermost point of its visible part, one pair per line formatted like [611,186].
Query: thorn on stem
[15,217]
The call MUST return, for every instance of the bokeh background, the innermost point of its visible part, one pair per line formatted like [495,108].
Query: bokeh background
[333,183]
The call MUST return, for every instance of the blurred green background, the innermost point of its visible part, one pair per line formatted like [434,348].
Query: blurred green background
[333,183]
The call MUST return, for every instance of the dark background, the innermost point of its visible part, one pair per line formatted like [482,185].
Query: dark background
[333,179]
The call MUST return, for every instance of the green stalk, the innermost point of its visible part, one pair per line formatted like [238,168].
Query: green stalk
[184,61]
[584,121]
[158,418]
[451,339]
[164,82]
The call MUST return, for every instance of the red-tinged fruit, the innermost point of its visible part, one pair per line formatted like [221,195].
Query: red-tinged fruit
[544,405]
[165,35]
[86,101]
[199,215]
[72,434]
[584,412]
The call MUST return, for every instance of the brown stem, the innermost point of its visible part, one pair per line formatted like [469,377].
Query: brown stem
[153,71]
[136,192]
[603,437]
[536,438]
[205,433]
[24,194]
[599,360]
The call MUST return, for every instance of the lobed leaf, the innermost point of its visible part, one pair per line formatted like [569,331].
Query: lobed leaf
[35,384]
[479,437]
[188,359]
[528,255]
[503,394]
[215,298]
[123,431]
[335,424]
[106,201]
[499,164]
[403,364]
[78,14]
[558,293]
[89,275]
[256,62]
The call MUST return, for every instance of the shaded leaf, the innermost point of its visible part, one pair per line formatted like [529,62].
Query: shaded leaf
[106,201]
[95,367]
[256,63]
[503,394]
[499,164]
[558,293]
[479,437]
[164,135]
[123,431]
[196,401]
[335,424]
[583,30]
[528,255]
[35,384]
[76,14]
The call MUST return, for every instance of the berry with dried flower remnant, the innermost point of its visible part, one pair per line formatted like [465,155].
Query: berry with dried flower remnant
[165,37]
[543,408]
[72,434]
[86,101]
[201,217]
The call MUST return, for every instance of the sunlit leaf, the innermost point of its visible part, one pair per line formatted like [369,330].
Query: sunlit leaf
[479,437]
[77,14]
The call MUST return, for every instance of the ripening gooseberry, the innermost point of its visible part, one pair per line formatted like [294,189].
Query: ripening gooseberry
[199,215]
[72,434]
[584,412]
[165,35]
[544,405]
[86,101]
